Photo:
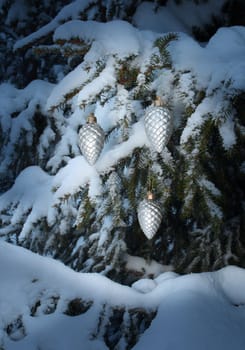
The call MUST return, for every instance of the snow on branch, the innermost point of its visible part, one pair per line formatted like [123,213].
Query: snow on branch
[72,10]
[116,37]
[17,114]
[30,197]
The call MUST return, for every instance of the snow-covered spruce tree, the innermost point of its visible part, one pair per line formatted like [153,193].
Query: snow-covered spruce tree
[86,215]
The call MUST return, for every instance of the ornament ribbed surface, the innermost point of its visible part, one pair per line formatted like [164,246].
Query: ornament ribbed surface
[91,141]
[150,217]
[158,126]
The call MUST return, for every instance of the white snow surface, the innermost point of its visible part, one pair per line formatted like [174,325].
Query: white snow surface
[196,311]
[221,59]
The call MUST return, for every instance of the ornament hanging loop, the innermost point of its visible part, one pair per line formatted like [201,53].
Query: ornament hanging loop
[158,102]
[91,119]
[150,196]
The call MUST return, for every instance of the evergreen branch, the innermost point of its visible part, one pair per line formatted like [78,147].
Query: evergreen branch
[65,50]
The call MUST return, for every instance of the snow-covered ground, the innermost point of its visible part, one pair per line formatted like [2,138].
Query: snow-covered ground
[195,312]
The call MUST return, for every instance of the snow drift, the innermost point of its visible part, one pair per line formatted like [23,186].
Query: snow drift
[196,311]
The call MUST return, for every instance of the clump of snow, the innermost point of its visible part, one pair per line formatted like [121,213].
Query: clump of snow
[115,37]
[165,276]
[148,269]
[231,284]
[144,285]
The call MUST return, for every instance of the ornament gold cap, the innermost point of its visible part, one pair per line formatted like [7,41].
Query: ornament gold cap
[158,102]
[150,195]
[91,119]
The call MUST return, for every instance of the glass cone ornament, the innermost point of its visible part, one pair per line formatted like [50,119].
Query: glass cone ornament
[91,139]
[158,125]
[149,216]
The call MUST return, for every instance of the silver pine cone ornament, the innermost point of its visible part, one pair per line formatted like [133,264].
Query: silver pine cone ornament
[91,140]
[149,216]
[158,125]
